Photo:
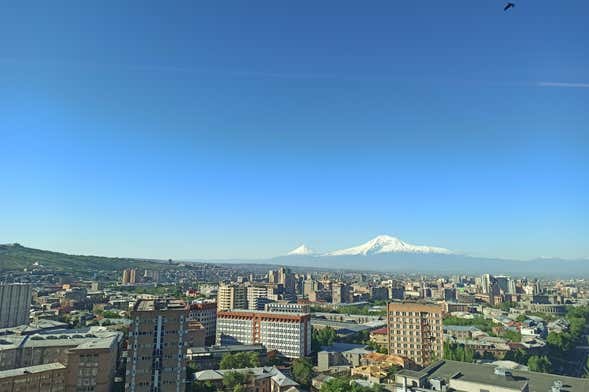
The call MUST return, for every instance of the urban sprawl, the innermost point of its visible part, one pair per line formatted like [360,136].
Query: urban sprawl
[207,327]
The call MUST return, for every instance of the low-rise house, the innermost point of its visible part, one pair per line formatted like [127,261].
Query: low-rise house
[261,379]
[380,337]
[460,331]
[558,326]
[340,354]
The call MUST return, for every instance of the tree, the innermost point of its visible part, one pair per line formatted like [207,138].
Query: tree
[231,380]
[253,359]
[560,341]
[206,386]
[458,352]
[505,306]
[519,356]
[302,371]
[343,384]
[521,318]
[322,337]
[240,360]
[513,336]
[538,363]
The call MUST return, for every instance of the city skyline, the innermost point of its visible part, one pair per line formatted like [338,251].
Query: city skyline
[242,131]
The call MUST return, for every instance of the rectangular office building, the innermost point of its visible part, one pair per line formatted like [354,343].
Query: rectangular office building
[288,333]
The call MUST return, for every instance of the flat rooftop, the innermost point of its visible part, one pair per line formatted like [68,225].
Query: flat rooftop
[268,312]
[485,373]
[31,369]
[150,305]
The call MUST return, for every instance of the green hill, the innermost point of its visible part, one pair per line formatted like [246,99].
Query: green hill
[17,257]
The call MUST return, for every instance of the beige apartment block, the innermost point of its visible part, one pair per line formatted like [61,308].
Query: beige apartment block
[415,331]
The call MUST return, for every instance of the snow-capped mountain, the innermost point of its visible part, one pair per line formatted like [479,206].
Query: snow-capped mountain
[302,250]
[386,244]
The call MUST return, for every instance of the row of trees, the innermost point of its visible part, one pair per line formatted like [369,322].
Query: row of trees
[479,322]
[240,360]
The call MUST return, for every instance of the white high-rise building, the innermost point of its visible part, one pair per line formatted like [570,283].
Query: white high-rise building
[15,303]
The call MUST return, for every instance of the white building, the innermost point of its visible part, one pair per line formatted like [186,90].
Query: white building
[287,307]
[288,333]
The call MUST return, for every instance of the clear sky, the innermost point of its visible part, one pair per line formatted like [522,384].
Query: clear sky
[244,128]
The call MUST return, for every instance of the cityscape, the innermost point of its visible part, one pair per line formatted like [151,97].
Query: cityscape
[281,196]
[170,326]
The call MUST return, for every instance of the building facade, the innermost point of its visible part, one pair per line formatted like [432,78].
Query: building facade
[288,333]
[287,307]
[157,346]
[415,331]
[15,302]
[129,276]
[206,314]
[41,378]
[257,297]
[231,296]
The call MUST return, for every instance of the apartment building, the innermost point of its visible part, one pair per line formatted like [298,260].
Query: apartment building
[91,366]
[341,293]
[231,296]
[288,333]
[157,346]
[257,297]
[15,302]
[41,378]
[129,276]
[90,357]
[206,314]
[415,331]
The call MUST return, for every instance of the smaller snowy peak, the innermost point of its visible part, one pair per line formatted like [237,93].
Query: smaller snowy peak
[302,250]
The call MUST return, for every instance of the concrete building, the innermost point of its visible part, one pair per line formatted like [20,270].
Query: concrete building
[340,355]
[90,356]
[18,351]
[15,302]
[157,346]
[287,307]
[309,286]
[341,293]
[472,377]
[206,314]
[231,296]
[91,366]
[257,297]
[415,331]
[288,333]
[41,378]
[380,337]
[129,276]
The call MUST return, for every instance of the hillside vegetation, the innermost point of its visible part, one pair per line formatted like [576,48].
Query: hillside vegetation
[17,257]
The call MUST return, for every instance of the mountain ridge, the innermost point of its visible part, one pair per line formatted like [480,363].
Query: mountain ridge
[15,257]
[386,244]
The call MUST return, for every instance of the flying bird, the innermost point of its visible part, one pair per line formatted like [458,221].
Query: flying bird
[508,6]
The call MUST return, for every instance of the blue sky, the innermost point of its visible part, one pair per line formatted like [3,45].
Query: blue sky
[200,129]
